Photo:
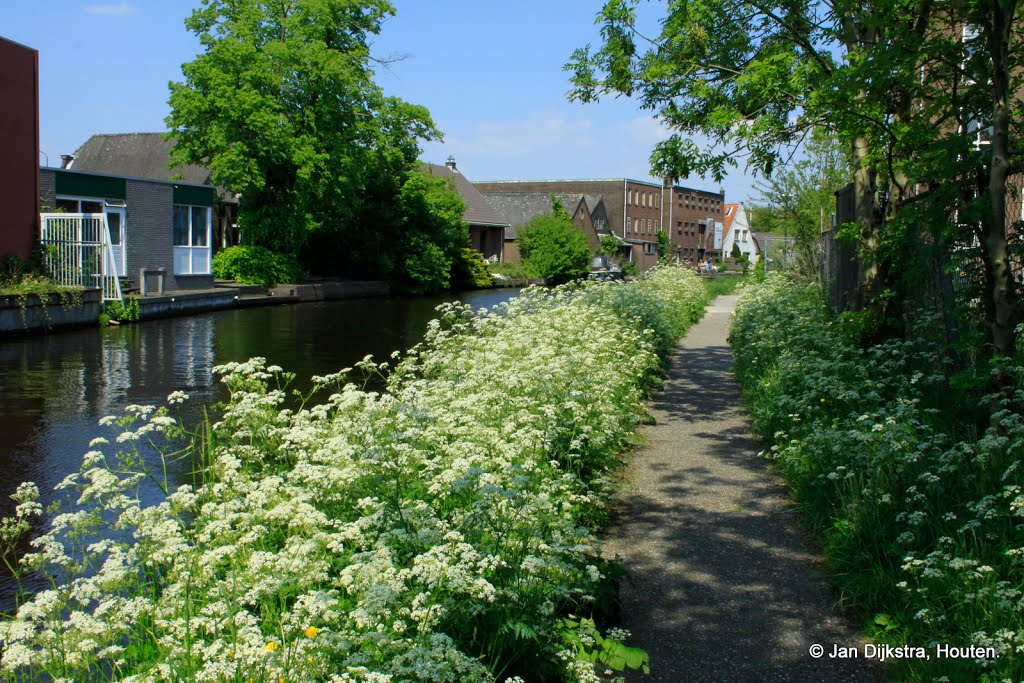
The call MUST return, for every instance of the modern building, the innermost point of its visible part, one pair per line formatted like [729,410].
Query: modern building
[19,153]
[153,225]
[148,155]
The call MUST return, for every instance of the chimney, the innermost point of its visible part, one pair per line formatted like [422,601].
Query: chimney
[451,163]
[66,160]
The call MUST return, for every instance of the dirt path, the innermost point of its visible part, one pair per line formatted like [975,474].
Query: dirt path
[721,585]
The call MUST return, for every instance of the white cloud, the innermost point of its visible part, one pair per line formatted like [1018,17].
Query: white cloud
[121,10]
[646,130]
[520,138]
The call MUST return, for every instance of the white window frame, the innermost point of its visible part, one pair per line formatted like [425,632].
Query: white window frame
[187,256]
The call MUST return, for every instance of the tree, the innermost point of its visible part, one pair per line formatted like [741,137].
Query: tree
[800,196]
[756,78]
[431,233]
[282,108]
[552,248]
[664,244]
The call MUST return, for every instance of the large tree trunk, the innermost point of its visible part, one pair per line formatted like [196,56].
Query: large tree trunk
[994,243]
[867,215]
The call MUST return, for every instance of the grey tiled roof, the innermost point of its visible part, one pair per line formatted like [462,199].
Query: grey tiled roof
[139,155]
[520,207]
[478,210]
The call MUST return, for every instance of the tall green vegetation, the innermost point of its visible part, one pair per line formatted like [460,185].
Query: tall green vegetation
[897,83]
[553,248]
[282,108]
[443,530]
[798,200]
[913,489]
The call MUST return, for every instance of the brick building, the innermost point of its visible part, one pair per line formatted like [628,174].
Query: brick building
[148,155]
[19,153]
[587,212]
[487,226]
[637,211]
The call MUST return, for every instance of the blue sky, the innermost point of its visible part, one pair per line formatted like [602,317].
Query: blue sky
[490,73]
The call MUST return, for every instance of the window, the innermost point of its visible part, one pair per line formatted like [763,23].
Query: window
[650,248]
[191,240]
[93,206]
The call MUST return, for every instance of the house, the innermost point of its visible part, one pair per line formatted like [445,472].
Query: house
[587,212]
[19,153]
[487,226]
[147,155]
[638,210]
[153,224]
[737,232]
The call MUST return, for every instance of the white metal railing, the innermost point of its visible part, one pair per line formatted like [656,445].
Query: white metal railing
[78,253]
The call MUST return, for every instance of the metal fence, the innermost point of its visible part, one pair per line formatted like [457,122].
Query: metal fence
[77,252]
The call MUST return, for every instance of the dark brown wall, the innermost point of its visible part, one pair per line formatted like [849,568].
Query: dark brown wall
[684,210]
[19,149]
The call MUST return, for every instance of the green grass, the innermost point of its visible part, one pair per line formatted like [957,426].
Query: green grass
[723,284]
[508,269]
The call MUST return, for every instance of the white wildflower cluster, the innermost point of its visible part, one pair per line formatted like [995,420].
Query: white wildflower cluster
[435,532]
[902,492]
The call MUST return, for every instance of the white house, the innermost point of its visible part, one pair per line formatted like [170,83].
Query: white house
[737,231]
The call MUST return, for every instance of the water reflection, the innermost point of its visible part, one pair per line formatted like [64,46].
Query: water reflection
[54,389]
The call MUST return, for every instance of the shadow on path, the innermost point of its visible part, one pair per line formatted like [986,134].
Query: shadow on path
[721,586]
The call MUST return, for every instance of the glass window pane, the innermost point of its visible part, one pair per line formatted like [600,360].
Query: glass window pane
[182,261]
[181,216]
[92,207]
[114,226]
[200,226]
[67,205]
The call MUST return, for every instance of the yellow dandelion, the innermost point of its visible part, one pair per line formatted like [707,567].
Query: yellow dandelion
[311,632]
[271,646]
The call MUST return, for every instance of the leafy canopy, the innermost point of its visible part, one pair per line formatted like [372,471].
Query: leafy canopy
[282,108]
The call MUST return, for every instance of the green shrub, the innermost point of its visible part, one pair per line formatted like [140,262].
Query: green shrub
[128,312]
[917,506]
[470,271]
[257,266]
[509,270]
[552,248]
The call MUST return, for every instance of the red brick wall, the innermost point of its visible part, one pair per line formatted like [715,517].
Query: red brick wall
[19,151]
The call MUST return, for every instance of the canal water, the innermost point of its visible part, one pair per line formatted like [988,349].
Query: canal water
[54,389]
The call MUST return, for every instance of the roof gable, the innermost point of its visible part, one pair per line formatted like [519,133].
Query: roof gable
[478,210]
[520,207]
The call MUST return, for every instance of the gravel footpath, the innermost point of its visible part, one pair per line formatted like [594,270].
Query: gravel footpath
[721,586]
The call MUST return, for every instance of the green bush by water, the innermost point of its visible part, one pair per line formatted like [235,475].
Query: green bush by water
[257,266]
